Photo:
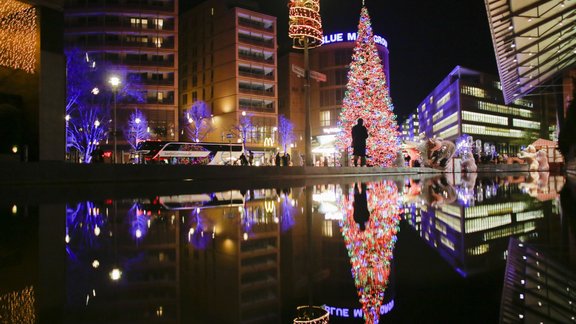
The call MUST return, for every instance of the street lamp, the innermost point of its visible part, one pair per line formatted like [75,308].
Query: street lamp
[306,31]
[114,82]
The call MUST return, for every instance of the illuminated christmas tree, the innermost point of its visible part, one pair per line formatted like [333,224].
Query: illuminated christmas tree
[370,241]
[367,97]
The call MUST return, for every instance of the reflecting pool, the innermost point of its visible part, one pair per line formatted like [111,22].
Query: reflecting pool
[441,249]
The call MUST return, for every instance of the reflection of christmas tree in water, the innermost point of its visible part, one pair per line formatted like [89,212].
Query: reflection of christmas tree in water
[370,249]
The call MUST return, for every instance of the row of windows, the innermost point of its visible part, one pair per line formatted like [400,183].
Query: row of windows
[484,118]
[495,209]
[445,122]
[491,131]
[120,21]
[525,123]
[473,91]
[492,107]
[452,131]
[443,100]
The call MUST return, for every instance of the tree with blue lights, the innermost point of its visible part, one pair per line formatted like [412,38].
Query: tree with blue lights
[285,132]
[89,100]
[198,121]
[367,97]
[137,129]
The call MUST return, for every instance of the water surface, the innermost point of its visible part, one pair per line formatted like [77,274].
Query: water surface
[443,249]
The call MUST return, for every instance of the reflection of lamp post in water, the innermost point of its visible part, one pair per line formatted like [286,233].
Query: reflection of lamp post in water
[114,82]
[306,31]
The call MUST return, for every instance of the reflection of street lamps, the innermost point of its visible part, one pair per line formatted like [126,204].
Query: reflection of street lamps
[115,82]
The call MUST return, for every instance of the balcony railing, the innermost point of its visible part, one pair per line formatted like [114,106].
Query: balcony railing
[149,44]
[164,82]
[257,108]
[256,41]
[269,76]
[255,24]
[145,63]
[165,101]
[142,5]
[256,58]
[268,93]
[99,25]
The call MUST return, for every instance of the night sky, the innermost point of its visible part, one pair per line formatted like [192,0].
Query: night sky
[426,39]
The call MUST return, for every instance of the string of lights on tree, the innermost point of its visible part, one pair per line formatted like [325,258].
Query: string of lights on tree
[305,23]
[367,97]
[18,35]
[370,250]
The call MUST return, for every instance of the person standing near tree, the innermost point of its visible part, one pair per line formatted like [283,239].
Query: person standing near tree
[359,136]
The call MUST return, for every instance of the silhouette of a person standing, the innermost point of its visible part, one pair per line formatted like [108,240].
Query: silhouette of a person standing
[359,136]
[361,212]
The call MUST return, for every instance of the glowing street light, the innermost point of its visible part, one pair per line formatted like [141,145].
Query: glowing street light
[114,82]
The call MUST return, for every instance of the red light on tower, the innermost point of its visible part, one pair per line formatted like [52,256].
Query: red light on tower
[305,23]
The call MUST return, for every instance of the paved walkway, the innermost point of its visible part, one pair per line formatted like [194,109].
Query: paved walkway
[69,173]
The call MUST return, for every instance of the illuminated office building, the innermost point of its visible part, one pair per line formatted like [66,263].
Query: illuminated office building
[410,128]
[470,102]
[228,60]
[329,65]
[140,37]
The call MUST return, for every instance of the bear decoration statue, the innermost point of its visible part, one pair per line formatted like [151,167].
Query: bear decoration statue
[529,155]
[468,163]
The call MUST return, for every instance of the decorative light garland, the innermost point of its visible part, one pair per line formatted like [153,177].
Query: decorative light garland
[18,35]
[305,23]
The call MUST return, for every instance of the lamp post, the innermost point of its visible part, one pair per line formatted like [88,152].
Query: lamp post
[306,31]
[114,82]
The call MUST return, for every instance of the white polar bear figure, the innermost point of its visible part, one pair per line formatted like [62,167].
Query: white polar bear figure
[529,155]
[468,163]
[542,159]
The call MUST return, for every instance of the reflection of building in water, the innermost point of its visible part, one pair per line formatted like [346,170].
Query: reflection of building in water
[472,232]
[123,263]
[231,264]
[536,289]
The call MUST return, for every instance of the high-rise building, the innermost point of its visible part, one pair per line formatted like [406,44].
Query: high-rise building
[471,102]
[228,61]
[140,39]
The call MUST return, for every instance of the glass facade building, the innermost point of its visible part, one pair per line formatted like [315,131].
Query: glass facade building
[471,102]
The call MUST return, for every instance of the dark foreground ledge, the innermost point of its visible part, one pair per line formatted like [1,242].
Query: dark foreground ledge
[42,173]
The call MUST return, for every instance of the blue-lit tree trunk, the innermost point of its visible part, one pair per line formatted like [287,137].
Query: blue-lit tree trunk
[285,132]
[244,128]
[197,121]
[137,129]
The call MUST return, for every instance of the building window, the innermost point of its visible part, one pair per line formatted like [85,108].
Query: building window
[158,23]
[325,118]
[185,99]
[443,100]
[157,41]
[139,22]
